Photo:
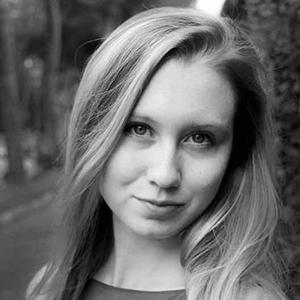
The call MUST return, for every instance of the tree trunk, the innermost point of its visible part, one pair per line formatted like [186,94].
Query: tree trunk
[49,143]
[9,100]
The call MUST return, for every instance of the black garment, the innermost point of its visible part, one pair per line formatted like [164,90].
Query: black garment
[96,290]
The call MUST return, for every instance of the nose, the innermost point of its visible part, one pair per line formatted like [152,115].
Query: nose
[164,170]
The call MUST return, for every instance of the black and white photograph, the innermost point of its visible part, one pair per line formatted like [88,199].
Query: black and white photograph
[149,150]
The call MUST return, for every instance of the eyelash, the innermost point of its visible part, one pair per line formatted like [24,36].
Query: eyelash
[132,126]
[206,139]
[129,129]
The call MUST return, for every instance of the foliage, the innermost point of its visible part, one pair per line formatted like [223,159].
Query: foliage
[276,27]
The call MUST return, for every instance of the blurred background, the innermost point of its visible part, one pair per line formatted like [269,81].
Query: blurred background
[44,45]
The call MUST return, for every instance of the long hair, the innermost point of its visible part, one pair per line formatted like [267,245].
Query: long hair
[230,247]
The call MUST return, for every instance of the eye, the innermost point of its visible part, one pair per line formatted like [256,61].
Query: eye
[138,129]
[199,139]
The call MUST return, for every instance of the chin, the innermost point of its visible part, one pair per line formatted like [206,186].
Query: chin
[155,232]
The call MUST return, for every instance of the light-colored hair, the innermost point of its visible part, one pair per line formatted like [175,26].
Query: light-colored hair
[230,247]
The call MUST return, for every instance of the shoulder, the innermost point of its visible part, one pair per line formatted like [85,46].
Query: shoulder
[259,293]
[34,282]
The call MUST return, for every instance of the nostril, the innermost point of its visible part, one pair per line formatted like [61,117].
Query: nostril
[165,179]
[170,185]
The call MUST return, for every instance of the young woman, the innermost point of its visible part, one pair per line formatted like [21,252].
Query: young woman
[168,190]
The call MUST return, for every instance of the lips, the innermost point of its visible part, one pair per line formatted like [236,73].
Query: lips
[158,209]
[160,203]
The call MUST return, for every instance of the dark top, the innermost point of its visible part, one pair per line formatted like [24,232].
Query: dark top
[96,290]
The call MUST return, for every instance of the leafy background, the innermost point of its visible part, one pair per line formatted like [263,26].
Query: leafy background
[275,25]
[44,45]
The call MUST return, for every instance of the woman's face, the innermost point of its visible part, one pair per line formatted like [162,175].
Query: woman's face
[170,161]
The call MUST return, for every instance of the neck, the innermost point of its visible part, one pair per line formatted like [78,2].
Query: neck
[143,263]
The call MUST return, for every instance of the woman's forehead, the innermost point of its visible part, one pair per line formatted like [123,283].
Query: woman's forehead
[188,90]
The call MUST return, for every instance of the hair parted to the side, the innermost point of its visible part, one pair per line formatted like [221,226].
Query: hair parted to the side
[230,247]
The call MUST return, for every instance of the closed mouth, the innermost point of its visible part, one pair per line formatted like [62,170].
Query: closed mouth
[160,203]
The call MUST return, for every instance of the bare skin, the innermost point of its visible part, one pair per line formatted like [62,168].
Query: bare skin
[164,172]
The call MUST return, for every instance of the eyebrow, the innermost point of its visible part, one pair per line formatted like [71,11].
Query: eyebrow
[224,128]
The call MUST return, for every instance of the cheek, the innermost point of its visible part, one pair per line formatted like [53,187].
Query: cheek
[120,169]
[205,177]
